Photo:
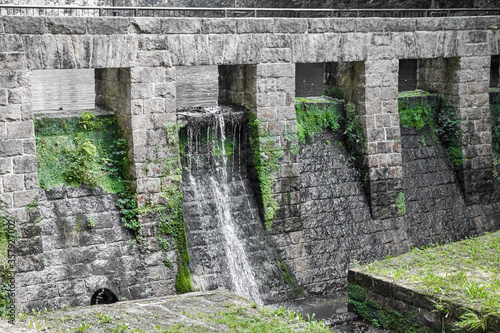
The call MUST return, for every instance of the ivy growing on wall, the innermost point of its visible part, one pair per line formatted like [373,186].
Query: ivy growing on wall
[266,162]
[441,119]
[86,150]
[170,218]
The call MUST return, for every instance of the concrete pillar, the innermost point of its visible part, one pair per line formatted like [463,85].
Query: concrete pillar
[143,99]
[268,91]
[373,86]
[18,172]
[465,84]
[18,164]
[381,120]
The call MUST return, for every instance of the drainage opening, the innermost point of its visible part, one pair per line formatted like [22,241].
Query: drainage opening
[103,296]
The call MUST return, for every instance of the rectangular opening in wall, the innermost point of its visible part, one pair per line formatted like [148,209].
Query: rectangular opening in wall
[309,80]
[197,85]
[62,90]
[495,71]
[407,79]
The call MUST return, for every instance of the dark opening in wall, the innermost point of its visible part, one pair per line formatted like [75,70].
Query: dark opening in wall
[103,296]
[495,71]
[63,89]
[309,80]
[197,85]
[407,79]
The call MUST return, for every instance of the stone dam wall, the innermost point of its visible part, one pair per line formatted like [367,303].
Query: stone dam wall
[317,190]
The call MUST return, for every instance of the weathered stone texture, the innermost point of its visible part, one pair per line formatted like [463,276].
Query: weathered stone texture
[65,260]
[465,83]
[337,227]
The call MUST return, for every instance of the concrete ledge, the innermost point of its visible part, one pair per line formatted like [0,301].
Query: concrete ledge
[398,306]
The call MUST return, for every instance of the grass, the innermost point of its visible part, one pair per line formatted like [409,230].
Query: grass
[466,272]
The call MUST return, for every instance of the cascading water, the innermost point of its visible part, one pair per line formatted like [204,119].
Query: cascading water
[228,245]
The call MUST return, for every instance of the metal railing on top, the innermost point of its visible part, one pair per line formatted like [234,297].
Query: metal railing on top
[237,12]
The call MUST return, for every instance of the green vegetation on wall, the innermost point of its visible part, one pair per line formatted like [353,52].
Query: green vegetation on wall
[87,150]
[290,280]
[170,221]
[90,150]
[8,234]
[495,132]
[441,120]
[311,119]
[387,318]
[266,162]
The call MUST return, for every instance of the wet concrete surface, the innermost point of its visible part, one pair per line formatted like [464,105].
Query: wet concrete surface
[332,310]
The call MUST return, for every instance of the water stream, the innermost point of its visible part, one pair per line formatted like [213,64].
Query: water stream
[228,245]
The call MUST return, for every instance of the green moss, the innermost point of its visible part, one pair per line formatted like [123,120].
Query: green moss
[170,218]
[370,311]
[87,150]
[290,280]
[311,119]
[266,162]
[400,203]
[441,120]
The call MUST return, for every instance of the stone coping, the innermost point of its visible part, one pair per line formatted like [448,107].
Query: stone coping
[378,293]
[158,25]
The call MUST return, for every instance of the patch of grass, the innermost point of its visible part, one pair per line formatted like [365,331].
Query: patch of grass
[465,272]
[86,150]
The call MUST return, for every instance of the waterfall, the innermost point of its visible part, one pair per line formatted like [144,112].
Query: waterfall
[227,242]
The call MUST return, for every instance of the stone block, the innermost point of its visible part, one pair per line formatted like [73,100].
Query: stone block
[258,25]
[12,61]
[458,23]
[181,26]
[291,26]
[11,43]
[145,25]
[13,183]
[343,25]
[108,26]
[165,90]
[147,74]
[219,26]
[4,97]
[5,165]
[24,198]
[486,22]
[29,147]
[142,90]
[21,130]
[66,25]
[35,25]
[24,164]
[370,24]
[319,25]
[400,25]
[153,59]
[10,148]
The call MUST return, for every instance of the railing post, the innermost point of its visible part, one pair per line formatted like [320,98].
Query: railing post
[225,12]
[100,11]
[255,13]
[135,12]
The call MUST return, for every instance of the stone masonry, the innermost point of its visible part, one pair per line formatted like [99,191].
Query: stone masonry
[140,55]
[465,84]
